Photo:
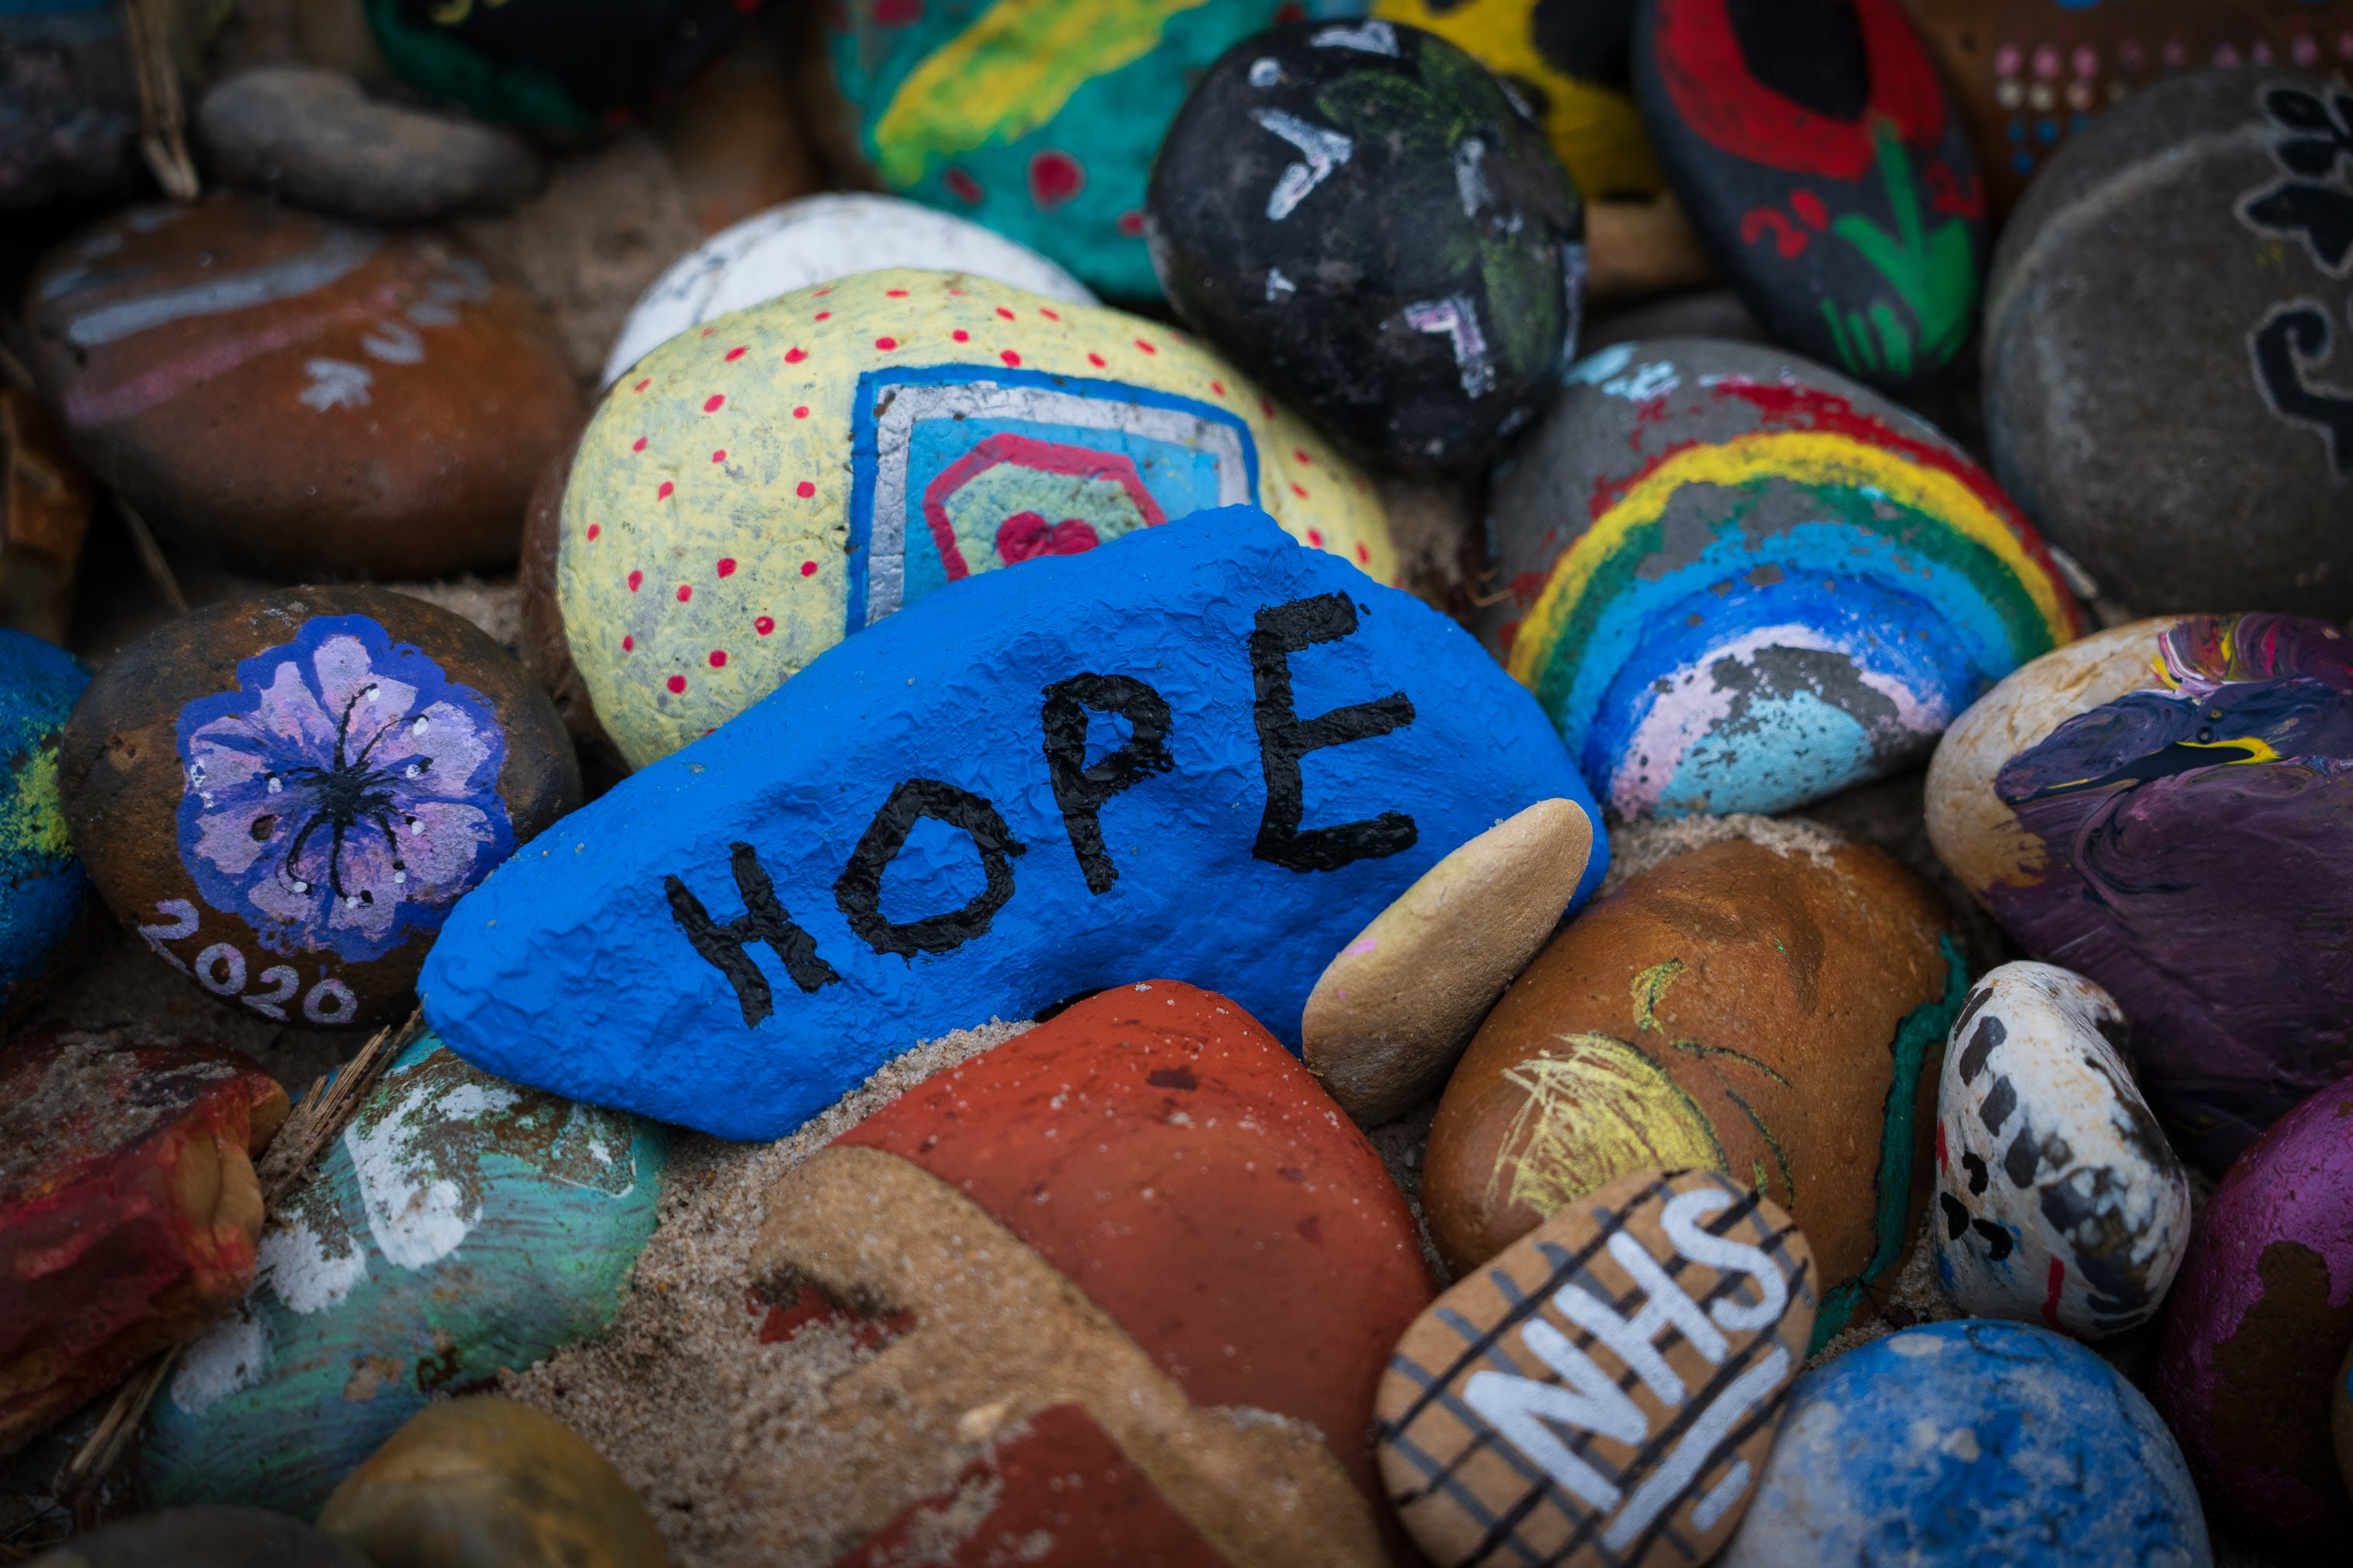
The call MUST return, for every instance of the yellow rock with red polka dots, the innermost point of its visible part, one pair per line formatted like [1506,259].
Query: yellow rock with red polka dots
[739,504]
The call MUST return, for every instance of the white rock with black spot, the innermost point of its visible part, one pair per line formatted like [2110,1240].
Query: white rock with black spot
[2058,1200]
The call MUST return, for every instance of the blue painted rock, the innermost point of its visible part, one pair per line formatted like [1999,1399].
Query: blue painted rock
[1971,1442]
[1605,1389]
[1739,582]
[741,502]
[42,888]
[460,1226]
[1203,753]
[73,101]
[2058,1198]
[1036,118]
[285,794]
[2261,1314]
[2169,807]
[1824,169]
[1359,214]
[204,1538]
[813,240]
[2236,498]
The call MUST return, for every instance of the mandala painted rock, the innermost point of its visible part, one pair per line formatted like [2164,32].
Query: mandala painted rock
[284,795]
[203,1538]
[814,240]
[1605,1389]
[73,101]
[1152,1158]
[1359,214]
[1039,119]
[2261,1316]
[1971,1442]
[128,1208]
[1569,61]
[1739,583]
[1776,1013]
[42,888]
[997,799]
[1812,144]
[2058,1198]
[2168,806]
[2242,183]
[306,396]
[554,64]
[755,493]
[460,1226]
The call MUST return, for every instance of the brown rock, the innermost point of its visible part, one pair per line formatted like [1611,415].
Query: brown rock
[547,653]
[129,1209]
[44,502]
[307,395]
[1776,1013]
[284,793]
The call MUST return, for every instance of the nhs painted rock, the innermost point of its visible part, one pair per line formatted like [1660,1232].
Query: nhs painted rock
[814,240]
[1201,752]
[1738,581]
[458,1225]
[2058,1199]
[1971,1442]
[284,795]
[2168,806]
[1039,119]
[758,490]
[42,888]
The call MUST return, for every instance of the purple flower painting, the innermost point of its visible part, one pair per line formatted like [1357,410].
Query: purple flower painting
[344,796]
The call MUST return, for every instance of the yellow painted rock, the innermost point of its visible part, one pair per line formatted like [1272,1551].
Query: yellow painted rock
[757,490]
[1570,62]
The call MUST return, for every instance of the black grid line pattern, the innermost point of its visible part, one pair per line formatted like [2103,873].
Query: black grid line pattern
[1473,1495]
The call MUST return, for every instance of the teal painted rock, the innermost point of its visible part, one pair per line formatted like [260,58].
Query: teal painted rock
[460,1226]
[1199,751]
[1039,119]
[42,888]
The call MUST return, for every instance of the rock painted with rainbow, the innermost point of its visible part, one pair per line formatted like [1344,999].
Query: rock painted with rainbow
[1738,581]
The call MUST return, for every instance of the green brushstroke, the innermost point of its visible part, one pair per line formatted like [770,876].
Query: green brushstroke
[1933,272]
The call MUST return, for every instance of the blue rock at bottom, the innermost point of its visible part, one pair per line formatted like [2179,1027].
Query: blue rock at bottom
[42,888]
[1200,752]
[1978,1442]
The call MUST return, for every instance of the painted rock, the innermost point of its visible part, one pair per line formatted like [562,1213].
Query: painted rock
[1813,147]
[73,102]
[1039,119]
[2261,1316]
[1968,1442]
[2169,804]
[203,1538]
[284,795]
[2057,1196]
[2237,179]
[1570,61]
[814,240]
[317,137]
[461,1226]
[1605,1389]
[42,888]
[1739,583]
[127,1208]
[1359,214]
[306,396]
[743,502]
[484,1482]
[45,505]
[2027,74]
[1775,1012]
[1123,1229]
[556,65]
[1390,1014]
[944,752]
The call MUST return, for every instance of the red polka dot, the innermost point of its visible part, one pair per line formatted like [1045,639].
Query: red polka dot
[676,684]
[643,385]
[825,315]
[1147,348]
[961,336]
[963,186]
[1302,456]
[664,493]
[1218,387]
[1004,312]
[733,354]
[809,568]
[886,344]
[824,291]
[795,356]
[639,444]
[637,580]
[1054,178]
[1266,406]
[801,413]
[628,645]
[1315,537]
[764,624]
[710,404]
[895,293]
[727,566]
[1296,490]
[1010,357]
[955,293]
[720,456]
[1363,554]
[1131,223]
[710,332]
[1095,359]
[685,592]
[804,490]
[719,659]
[594,529]
[1049,315]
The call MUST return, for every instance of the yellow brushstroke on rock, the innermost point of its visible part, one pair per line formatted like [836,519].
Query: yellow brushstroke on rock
[1595,1108]
[1009,73]
[1650,987]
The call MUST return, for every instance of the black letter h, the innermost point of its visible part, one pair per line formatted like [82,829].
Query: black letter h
[762,919]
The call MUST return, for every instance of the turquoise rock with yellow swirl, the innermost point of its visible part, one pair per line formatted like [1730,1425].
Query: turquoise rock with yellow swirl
[42,888]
